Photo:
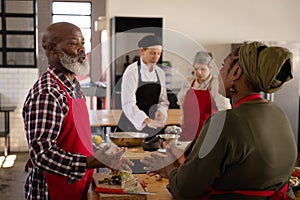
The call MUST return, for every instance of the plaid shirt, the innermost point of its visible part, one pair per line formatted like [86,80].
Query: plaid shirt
[44,110]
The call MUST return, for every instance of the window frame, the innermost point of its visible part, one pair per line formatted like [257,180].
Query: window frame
[84,29]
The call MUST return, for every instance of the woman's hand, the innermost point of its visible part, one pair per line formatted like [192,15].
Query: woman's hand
[176,152]
[160,164]
[111,157]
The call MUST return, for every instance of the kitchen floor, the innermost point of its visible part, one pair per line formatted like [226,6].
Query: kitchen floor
[12,179]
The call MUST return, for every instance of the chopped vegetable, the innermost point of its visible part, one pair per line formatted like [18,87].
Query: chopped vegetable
[116,178]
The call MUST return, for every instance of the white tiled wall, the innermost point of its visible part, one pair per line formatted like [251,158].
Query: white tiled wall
[15,84]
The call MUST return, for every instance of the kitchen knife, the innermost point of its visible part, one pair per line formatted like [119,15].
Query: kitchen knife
[150,193]
[119,191]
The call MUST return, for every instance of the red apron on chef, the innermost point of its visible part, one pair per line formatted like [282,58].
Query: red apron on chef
[276,195]
[197,107]
[75,137]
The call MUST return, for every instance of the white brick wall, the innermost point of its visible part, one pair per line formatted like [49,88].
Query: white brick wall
[15,84]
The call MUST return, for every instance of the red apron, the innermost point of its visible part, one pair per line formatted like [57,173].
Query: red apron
[197,107]
[276,195]
[75,137]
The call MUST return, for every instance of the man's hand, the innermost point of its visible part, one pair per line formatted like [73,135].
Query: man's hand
[111,157]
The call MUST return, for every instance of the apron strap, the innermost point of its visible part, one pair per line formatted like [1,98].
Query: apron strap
[28,165]
[276,195]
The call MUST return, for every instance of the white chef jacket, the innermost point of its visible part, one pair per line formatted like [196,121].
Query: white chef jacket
[129,87]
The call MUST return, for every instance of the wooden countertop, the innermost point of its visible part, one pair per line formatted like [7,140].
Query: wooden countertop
[158,187]
[297,194]
[137,153]
[110,118]
[154,186]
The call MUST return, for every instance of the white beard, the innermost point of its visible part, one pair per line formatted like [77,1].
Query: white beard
[73,65]
[84,69]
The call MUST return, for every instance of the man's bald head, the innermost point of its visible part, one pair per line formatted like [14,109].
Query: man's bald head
[57,32]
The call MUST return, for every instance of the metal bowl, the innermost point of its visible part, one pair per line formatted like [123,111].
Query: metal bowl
[127,139]
[173,130]
[168,137]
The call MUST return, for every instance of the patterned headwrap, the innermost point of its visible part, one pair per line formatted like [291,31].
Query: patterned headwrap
[267,68]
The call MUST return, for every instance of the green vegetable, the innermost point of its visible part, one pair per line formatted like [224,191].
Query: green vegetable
[117,178]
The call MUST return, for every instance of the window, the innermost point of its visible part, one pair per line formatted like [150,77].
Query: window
[78,13]
[18,34]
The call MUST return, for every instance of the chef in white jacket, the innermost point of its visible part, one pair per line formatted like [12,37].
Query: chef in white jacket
[143,91]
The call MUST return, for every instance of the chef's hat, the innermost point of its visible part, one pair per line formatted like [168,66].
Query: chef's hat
[149,41]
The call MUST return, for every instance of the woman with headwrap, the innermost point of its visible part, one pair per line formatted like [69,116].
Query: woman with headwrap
[249,151]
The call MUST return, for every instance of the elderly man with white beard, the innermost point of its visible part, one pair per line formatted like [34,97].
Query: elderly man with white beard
[57,125]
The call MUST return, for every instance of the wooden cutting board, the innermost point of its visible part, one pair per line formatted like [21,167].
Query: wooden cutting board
[117,188]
